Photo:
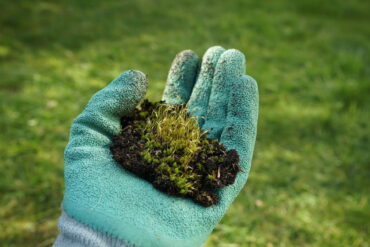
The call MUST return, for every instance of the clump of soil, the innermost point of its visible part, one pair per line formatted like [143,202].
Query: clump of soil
[164,145]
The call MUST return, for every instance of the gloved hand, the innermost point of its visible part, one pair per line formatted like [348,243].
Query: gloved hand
[108,199]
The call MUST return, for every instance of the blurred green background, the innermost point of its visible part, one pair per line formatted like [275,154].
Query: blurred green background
[310,180]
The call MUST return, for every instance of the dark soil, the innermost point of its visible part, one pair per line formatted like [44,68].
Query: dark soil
[213,166]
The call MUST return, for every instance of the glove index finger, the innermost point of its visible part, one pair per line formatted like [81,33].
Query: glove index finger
[181,78]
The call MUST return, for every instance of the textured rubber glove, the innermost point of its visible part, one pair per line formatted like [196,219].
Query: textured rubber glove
[103,196]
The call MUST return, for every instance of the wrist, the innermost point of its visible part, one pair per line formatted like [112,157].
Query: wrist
[75,234]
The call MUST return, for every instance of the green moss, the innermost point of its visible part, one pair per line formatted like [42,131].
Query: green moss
[172,139]
[165,146]
[174,153]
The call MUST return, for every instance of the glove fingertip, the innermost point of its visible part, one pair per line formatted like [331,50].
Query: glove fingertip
[231,62]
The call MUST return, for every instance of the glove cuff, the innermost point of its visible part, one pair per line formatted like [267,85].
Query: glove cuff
[75,234]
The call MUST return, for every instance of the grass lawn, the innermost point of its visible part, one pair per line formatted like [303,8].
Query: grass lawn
[310,180]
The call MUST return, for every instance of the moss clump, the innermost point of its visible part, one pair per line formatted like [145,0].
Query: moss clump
[165,146]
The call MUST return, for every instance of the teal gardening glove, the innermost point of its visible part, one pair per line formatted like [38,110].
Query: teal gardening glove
[112,201]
